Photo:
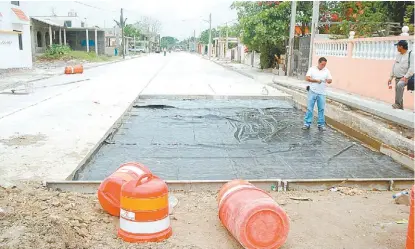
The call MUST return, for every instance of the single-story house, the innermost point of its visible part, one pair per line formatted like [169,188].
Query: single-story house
[15,37]
[47,31]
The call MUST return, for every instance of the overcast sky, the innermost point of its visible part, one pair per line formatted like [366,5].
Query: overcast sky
[178,17]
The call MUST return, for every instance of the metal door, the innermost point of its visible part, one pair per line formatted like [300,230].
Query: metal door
[301,54]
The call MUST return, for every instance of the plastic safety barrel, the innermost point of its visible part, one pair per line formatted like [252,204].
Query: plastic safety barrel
[144,215]
[74,69]
[110,189]
[410,241]
[252,216]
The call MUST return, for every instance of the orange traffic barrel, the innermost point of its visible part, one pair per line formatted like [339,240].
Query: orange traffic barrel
[144,215]
[410,241]
[110,189]
[74,69]
[252,216]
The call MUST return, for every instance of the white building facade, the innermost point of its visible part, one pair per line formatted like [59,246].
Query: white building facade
[15,36]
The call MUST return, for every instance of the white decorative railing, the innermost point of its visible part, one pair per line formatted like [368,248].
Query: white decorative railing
[377,49]
[330,48]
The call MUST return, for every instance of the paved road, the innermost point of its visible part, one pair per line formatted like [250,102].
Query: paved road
[47,134]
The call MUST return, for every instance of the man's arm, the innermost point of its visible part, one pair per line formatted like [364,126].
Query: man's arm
[391,76]
[309,79]
[410,69]
[329,78]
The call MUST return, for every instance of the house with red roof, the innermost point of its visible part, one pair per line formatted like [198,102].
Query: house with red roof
[15,36]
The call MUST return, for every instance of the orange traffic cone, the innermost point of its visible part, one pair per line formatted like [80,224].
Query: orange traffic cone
[74,69]
[145,210]
[410,237]
[110,189]
[252,216]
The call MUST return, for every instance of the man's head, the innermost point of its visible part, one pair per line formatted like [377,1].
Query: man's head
[322,63]
[402,46]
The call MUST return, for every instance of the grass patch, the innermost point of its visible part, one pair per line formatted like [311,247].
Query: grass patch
[61,52]
[91,56]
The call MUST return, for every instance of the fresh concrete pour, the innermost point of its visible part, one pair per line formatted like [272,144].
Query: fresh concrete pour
[227,139]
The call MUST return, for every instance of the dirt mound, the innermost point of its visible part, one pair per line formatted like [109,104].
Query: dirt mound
[34,217]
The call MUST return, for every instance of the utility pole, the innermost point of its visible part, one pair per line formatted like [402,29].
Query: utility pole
[194,40]
[210,36]
[122,33]
[291,40]
[226,43]
[121,24]
[314,30]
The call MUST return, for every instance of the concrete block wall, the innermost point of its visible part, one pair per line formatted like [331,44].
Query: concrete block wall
[247,58]
[76,37]
[109,51]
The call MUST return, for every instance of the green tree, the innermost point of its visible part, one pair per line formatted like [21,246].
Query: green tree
[131,31]
[400,11]
[233,30]
[366,18]
[204,36]
[168,42]
[265,27]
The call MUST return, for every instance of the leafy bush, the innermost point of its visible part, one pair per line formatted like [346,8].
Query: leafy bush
[57,51]
[62,52]
[91,56]
[268,53]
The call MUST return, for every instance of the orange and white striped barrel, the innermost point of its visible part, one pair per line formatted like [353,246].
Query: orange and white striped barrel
[144,215]
[410,241]
[110,189]
[252,216]
[74,69]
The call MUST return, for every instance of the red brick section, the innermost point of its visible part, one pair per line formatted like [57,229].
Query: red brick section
[20,14]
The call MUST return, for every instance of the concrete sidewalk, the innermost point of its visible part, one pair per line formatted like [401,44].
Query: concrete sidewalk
[17,78]
[378,108]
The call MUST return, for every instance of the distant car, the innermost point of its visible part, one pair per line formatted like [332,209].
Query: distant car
[177,50]
[157,50]
[137,50]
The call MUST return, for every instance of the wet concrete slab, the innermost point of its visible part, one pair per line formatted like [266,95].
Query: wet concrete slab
[227,139]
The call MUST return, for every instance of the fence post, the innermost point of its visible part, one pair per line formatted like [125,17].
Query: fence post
[350,44]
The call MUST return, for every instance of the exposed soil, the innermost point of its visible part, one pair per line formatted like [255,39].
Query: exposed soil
[33,217]
[22,140]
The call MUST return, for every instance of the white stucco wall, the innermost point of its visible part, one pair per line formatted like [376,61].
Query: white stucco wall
[10,54]
[76,20]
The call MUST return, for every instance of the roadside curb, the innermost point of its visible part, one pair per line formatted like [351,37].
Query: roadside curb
[279,185]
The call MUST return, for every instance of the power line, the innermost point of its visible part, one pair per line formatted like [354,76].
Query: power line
[94,7]
[231,21]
